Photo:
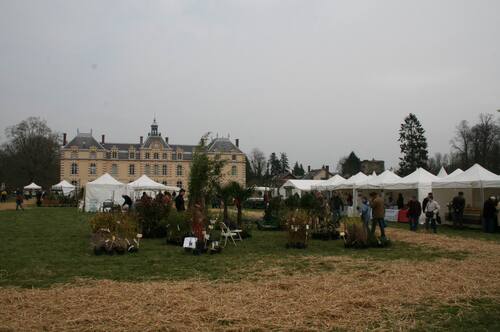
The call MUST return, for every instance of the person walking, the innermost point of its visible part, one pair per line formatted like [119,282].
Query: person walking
[431,213]
[3,196]
[365,211]
[378,214]
[179,201]
[457,209]
[414,212]
[19,200]
[490,215]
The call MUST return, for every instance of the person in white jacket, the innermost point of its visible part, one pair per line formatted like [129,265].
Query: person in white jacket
[431,213]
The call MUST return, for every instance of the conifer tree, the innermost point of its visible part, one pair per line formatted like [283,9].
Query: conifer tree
[413,146]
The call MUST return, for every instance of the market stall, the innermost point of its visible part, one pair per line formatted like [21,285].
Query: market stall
[104,189]
[149,186]
[65,187]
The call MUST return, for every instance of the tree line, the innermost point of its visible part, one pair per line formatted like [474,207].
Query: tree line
[262,170]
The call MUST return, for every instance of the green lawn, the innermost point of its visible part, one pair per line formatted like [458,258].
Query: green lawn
[43,246]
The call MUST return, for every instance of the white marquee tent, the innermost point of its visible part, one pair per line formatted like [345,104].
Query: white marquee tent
[352,182]
[64,186]
[151,187]
[329,184]
[104,188]
[380,181]
[476,183]
[32,186]
[420,180]
[442,173]
[291,187]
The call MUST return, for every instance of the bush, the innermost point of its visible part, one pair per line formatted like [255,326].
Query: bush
[177,227]
[114,233]
[152,217]
[357,236]
[298,224]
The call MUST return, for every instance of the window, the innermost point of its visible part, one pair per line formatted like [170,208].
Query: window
[233,157]
[179,170]
[93,155]
[164,169]
[92,169]
[164,183]
[234,171]
[74,168]
[179,184]
[147,169]
[74,182]
[131,155]
[131,169]
[165,155]
[114,154]
[179,156]
[146,155]
[156,155]
[156,169]
[174,156]
[114,169]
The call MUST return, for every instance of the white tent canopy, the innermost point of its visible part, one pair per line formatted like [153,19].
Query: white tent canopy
[455,172]
[65,187]
[298,186]
[146,183]
[475,177]
[32,186]
[104,188]
[419,178]
[330,183]
[442,173]
[380,181]
[352,182]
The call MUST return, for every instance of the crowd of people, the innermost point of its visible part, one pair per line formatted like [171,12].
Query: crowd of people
[166,198]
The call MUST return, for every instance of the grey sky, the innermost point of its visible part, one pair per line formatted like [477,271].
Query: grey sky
[316,79]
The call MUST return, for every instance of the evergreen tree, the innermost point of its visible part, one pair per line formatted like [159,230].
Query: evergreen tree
[302,171]
[296,169]
[285,167]
[274,165]
[413,146]
[350,165]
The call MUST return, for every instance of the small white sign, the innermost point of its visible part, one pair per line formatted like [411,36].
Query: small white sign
[190,242]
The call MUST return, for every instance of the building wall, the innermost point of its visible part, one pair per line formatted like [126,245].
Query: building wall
[83,159]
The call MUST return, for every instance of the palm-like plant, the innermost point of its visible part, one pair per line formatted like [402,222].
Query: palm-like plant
[240,194]
[225,194]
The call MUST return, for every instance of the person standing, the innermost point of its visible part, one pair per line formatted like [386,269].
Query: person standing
[457,208]
[365,211]
[431,213]
[414,212]
[336,206]
[400,202]
[378,214]
[4,196]
[490,215]
[19,200]
[179,201]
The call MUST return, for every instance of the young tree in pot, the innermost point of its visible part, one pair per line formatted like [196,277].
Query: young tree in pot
[240,194]
[225,193]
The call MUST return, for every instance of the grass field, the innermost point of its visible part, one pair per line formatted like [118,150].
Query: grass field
[51,280]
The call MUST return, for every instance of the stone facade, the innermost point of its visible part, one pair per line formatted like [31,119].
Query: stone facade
[370,166]
[84,159]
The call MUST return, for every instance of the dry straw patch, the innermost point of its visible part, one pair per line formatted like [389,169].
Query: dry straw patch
[375,294]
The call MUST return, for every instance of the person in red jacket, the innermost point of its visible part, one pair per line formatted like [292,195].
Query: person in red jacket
[414,212]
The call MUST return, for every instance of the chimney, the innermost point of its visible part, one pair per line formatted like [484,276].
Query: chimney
[102,139]
[166,139]
[237,142]
[328,168]
[65,136]
[309,169]
[141,140]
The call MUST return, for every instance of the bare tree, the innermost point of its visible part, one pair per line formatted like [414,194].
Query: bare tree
[461,144]
[258,162]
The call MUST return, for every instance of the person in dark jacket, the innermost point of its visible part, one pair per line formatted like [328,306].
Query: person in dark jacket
[457,210]
[490,215]
[400,201]
[336,206]
[127,201]
[179,201]
[414,212]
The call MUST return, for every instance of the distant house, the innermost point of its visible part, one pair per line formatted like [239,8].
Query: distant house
[318,174]
[370,166]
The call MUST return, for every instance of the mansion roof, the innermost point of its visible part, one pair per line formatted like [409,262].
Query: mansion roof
[85,141]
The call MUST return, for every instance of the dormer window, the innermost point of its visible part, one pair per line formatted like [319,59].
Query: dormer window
[174,156]
[156,155]
[114,154]
[179,155]
[131,155]
[233,157]
[146,155]
[165,156]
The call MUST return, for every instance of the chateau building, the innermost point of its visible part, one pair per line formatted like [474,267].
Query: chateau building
[84,159]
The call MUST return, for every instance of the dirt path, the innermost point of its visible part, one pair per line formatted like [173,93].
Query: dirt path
[11,205]
[358,294]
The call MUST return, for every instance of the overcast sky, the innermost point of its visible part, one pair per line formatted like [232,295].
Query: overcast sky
[315,79]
